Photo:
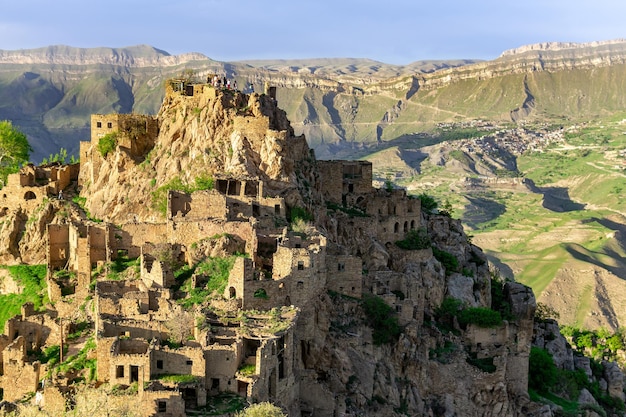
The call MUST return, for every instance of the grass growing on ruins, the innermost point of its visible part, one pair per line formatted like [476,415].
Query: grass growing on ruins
[81,361]
[159,196]
[247,369]
[178,379]
[225,403]
[32,279]
[121,264]
[217,270]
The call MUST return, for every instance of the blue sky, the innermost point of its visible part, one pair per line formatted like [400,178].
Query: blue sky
[392,31]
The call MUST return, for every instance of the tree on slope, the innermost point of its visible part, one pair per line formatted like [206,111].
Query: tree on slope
[14,149]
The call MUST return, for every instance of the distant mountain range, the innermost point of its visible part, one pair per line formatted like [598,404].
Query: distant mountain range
[344,106]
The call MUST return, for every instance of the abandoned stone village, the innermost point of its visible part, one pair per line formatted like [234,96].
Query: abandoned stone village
[305,240]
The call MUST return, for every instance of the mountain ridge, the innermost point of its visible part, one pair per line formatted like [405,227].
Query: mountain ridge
[341,104]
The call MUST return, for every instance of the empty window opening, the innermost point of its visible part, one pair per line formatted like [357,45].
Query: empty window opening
[110,125]
[189,363]
[300,266]
[341,266]
[161,406]
[159,364]
[277,209]
[350,188]
[134,373]
[119,371]
[215,383]
[98,124]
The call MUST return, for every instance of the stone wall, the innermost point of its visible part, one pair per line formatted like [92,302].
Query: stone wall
[136,133]
[188,232]
[162,403]
[132,236]
[221,365]
[339,178]
[23,376]
[129,361]
[345,275]
[182,361]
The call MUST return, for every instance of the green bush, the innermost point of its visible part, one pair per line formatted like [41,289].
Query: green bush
[542,372]
[448,260]
[415,240]
[498,301]
[429,205]
[300,213]
[262,410]
[480,316]
[261,293]
[178,379]
[382,319]
[107,143]
[484,364]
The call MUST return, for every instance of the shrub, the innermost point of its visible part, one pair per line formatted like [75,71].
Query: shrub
[429,205]
[262,410]
[484,364]
[382,319]
[448,260]
[542,372]
[480,316]
[300,213]
[415,240]
[261,293]
[498,302]
[178,379]
[107,143]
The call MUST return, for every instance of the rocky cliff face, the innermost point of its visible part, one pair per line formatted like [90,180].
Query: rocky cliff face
[200,136]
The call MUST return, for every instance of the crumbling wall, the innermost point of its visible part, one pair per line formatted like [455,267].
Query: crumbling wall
[345,275]
[221,366]
[188,232]
[339,178]
[58,248]
[132,236]
[136,329]
[162,403]
[185,360]
[129,361]
[24,376]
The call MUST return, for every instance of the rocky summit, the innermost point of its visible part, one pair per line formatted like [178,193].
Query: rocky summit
[204,254]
